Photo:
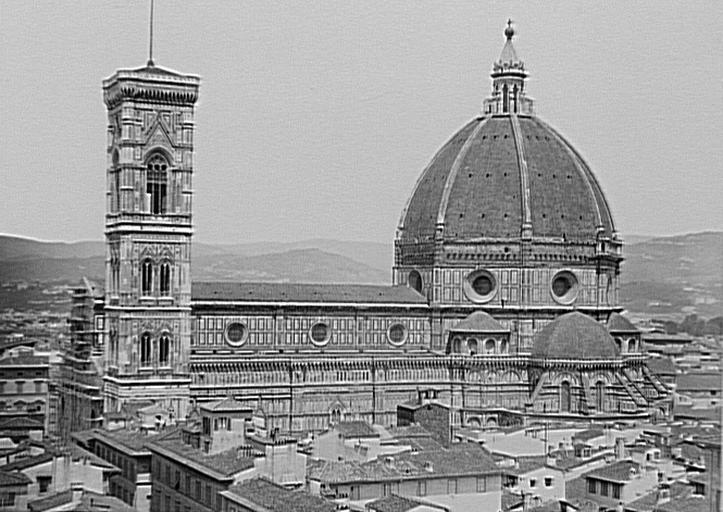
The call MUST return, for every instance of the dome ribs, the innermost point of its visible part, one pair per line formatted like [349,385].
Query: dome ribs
[417,222]
[490,199]
[561,206]
[452,177]
[604,217]
[526,228]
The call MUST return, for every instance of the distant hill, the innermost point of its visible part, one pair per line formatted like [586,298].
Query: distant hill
[661,275]
[674,274]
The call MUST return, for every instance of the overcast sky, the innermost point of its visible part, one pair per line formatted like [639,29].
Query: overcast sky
[315,119]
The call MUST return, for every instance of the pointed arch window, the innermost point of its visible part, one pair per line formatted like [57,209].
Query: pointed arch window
[165,278]
[490,346]
[600,396]
[565,399]
[145,349]
[146,277]
[157,183]
[164,350]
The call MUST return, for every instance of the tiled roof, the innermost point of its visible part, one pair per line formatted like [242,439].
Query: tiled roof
[621,471]
[270,496]
[694,503]
[481,322]
[467,459]
[586,435]
[352,429]
[224,464]
[8,478]
[527,464]
[392,503]
[699,382]
[618,323]
[510,500]
[226,405]
[94,502]
[25,360]
[305,293]
[662,366]
[574,336]
[21,423]
[27,462]
[133,440]
[697,413]
[413,430]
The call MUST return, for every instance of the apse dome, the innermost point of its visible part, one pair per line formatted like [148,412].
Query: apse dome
[505,175]
[574,336]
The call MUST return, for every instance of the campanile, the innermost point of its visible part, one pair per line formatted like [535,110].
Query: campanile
[148,231]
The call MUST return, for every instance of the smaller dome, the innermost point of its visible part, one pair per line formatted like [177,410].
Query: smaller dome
[618,323]
[574,336]
[479,322]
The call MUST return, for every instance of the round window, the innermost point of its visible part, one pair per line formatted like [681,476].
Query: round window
[320,334]
[564,287]
[483,285]
[480,286]
[236,334]
[397,334]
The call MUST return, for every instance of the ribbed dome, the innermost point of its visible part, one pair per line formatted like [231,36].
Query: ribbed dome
[499,172]
[574,336]
[506,174]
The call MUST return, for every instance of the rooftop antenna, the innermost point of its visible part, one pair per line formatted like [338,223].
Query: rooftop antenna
[150,38]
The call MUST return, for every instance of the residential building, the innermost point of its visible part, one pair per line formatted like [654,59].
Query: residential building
[462,470]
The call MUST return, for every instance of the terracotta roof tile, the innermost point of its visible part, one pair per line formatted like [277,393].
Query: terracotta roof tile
[621,471]
[574,336]
[271,496]
[314,293]
[479,321]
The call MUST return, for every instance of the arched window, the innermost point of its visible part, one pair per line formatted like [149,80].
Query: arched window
[164,275]
[146,277]
[336,415]
[164,350]
[145,349]
[505,99]
[472,346]
[503,347]
[565,399]
[157,183]
[457,346]
[490,346]
[619,344]
[600,396]
[631,345]
[415,281]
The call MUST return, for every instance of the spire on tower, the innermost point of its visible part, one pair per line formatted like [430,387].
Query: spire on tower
[150,37]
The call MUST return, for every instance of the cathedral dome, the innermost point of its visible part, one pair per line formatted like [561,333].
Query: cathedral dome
[574,336]
[506,174]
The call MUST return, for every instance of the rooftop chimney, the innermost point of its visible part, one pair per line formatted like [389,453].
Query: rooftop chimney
[619,448]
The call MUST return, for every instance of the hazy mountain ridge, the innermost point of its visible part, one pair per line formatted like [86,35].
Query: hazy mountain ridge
[662,275]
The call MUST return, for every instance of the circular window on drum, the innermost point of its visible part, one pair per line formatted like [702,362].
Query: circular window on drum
[564,287]
[480,286]
[320,334]
[397,334]
[236,334]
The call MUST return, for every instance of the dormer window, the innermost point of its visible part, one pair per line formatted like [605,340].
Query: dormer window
[157,184]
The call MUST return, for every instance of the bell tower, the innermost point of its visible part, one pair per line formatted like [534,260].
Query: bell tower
[148,237]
